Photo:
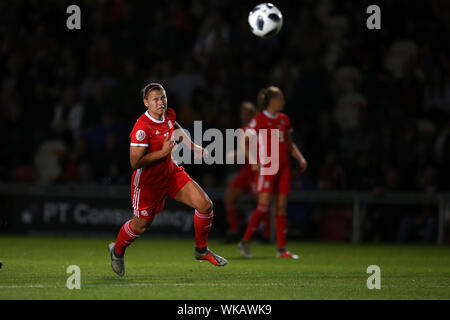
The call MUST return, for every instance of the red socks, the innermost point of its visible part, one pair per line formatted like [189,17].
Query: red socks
[233,218]
[125,237]
[266,220]
[254,221]
[262,212]
[202,226]
[281,229]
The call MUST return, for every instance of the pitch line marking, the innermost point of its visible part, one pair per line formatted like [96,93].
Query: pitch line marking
[39,286]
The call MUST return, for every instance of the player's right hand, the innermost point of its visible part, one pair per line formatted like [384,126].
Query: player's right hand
[168,145]
[303,164]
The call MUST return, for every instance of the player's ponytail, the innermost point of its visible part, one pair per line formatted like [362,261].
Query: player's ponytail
[261,100]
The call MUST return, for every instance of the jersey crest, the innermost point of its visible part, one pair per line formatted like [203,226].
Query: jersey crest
[140,135]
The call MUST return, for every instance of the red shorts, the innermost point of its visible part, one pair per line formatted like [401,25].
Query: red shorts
[279,183]
[148,201]
[245,180]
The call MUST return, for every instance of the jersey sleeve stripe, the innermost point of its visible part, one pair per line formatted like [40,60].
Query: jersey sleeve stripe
[138,144]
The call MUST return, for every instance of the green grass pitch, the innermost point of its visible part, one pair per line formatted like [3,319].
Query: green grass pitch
[164,269]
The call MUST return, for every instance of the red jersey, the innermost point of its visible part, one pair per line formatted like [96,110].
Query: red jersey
[149,132]
[151,184]
[264,120]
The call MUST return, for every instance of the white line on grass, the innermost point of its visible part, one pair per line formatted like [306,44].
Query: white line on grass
[149,285]
[27,286]
[40,286]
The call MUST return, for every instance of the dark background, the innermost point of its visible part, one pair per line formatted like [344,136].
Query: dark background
[370,108]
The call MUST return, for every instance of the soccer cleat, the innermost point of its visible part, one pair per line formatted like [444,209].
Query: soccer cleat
[210,256]
[286,254]
[117,263]
[244,249]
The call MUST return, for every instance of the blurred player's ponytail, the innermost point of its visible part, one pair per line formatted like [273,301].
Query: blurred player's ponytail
[265,95]
[261,100]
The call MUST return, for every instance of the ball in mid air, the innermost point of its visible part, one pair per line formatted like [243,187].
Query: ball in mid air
[265,20]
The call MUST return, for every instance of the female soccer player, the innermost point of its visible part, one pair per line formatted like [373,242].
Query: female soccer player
[243,183]
[277,184]
[156,175]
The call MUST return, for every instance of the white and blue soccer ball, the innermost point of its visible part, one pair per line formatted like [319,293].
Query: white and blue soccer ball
[265,20]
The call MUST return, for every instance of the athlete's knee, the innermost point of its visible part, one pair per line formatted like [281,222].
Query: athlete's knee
[281,207]
[206,205]
[140,227]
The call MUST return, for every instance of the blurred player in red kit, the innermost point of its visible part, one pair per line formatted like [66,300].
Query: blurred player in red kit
[277,184]
[243,183]
[156,176]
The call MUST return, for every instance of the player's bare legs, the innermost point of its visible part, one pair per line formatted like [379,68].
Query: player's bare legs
[234,222]
[264,199]
[261,210]
[281,226]
[194,196]
[140,225]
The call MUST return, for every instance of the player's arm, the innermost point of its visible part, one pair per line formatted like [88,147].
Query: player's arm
[139,158]
[186,140]
[296,154]
[250,142]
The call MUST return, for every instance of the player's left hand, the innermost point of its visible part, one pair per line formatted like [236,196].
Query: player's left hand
[303,164]
[200,152]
